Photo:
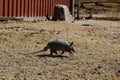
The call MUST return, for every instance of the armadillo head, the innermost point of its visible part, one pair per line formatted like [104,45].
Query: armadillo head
[70,48]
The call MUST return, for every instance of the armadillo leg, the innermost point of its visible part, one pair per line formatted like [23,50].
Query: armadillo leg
[51,53]
[55,52]
[62,52]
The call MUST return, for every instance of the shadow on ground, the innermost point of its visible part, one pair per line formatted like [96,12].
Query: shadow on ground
[54,56]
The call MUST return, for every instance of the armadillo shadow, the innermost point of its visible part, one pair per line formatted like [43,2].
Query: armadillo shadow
[48,55]
[54,56]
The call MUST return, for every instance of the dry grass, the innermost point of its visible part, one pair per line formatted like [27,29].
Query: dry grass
[109,16]
[97,45]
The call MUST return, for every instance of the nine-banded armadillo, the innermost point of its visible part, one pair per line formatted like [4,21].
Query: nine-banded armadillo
[59,45]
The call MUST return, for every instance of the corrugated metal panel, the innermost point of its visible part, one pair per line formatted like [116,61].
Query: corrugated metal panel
[29,8]
[41,4]
[22,8]
[43,7]
[5,8]
[10,8]
[14,8]
[48,6]
[26,8]
[35,8]
[18,8]
[38,9]
[1,8]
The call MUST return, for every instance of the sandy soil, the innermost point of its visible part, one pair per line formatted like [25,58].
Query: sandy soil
[97,56]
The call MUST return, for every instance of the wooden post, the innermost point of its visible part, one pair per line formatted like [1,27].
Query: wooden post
[78,9]
[73,2]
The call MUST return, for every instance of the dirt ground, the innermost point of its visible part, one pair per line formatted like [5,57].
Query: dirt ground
[97,45]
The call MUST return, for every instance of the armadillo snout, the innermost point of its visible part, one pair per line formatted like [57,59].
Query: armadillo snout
[73,50]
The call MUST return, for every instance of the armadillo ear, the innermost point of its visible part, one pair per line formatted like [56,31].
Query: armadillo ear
[71,43]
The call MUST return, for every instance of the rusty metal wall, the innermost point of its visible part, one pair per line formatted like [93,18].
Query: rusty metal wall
[29,8]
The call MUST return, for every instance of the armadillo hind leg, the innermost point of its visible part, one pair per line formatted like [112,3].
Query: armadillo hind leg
[62,52]
[55,52]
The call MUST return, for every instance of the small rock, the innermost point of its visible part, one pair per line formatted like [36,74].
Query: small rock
[118,73]
[38,42]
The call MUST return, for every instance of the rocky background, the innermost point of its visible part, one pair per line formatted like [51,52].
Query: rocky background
[100,9]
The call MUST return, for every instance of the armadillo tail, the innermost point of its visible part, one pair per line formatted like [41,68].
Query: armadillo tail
[45,49]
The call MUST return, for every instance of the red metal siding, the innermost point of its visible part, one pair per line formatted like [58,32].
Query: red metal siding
[18,8]
[10,8]
[48,7]
[32,8]
[26,8]
[5,8]
[41,8]
[29,8]
[22,8]
[1,8]
[38,9]
[14,8]
[35,8]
